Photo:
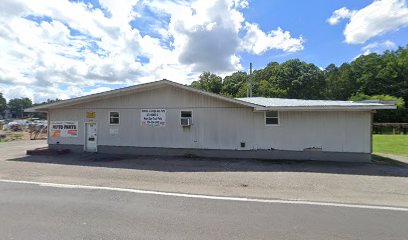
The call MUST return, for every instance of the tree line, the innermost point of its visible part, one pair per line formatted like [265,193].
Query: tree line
[368,77]
[15,107]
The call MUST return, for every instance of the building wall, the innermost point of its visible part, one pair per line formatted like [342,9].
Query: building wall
[216,125]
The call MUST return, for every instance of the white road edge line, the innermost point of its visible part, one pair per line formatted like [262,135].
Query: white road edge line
[199,196]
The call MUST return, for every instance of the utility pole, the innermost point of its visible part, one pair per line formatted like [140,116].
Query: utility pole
[250,79]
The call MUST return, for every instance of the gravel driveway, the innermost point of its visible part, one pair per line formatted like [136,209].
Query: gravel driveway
[365,183]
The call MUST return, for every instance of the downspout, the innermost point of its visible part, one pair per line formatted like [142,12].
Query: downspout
[371,132]
[48,128]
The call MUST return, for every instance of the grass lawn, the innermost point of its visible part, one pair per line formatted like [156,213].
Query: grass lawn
[391,144]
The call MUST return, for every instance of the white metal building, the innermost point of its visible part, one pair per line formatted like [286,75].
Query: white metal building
[168,118]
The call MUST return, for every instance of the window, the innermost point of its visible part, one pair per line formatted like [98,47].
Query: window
[186,114]
[114,118]
[271,118]
[186,118]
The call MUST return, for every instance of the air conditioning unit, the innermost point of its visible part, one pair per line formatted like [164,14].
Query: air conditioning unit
[185,121]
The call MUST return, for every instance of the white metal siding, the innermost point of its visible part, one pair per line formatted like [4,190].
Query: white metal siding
[217,125]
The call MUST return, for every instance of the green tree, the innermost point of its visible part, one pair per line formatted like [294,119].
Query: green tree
[401,61]
[385,73]
[243,91]
[299,80]
[340,82]
[209,82]
[17,106]
[262,81]
[265,89]
[3,105]
[365,69]
[232,83]
[49,101]
[398,115]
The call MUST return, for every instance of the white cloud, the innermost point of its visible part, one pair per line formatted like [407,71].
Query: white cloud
[205,32]
[378,47]
[376,19]
[98,90]
[45,54]
[258,42]
[241,3]
[339,14]
[58,48]
[121,11]
[208,34]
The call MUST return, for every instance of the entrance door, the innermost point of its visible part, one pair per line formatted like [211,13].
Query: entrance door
[91,138]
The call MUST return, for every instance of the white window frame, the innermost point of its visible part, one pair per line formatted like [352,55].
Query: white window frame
[109,118]
[187,110]
[272,125]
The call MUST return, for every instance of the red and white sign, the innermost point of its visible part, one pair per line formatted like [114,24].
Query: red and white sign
[64,129]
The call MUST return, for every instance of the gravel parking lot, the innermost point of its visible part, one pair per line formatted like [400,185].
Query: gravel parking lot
[361,183]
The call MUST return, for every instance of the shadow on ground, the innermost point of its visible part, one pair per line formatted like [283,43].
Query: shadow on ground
[184,164]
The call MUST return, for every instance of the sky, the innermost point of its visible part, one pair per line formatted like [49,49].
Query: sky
[62,49]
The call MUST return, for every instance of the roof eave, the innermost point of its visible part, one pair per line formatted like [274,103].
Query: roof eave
[87,98]
[228,99]
[35,109]
[91,97]
[325,108]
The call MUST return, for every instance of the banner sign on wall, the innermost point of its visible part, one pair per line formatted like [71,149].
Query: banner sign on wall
[64,129]
[153,117]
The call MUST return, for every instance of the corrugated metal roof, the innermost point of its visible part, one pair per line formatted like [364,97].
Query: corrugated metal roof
[127,90]
[258,103]
[313,104]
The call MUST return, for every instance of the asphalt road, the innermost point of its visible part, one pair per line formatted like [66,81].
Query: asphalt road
[29,211]
[372,183]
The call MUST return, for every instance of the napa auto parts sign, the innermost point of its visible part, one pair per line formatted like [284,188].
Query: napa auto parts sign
[64,129]
[153,117]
